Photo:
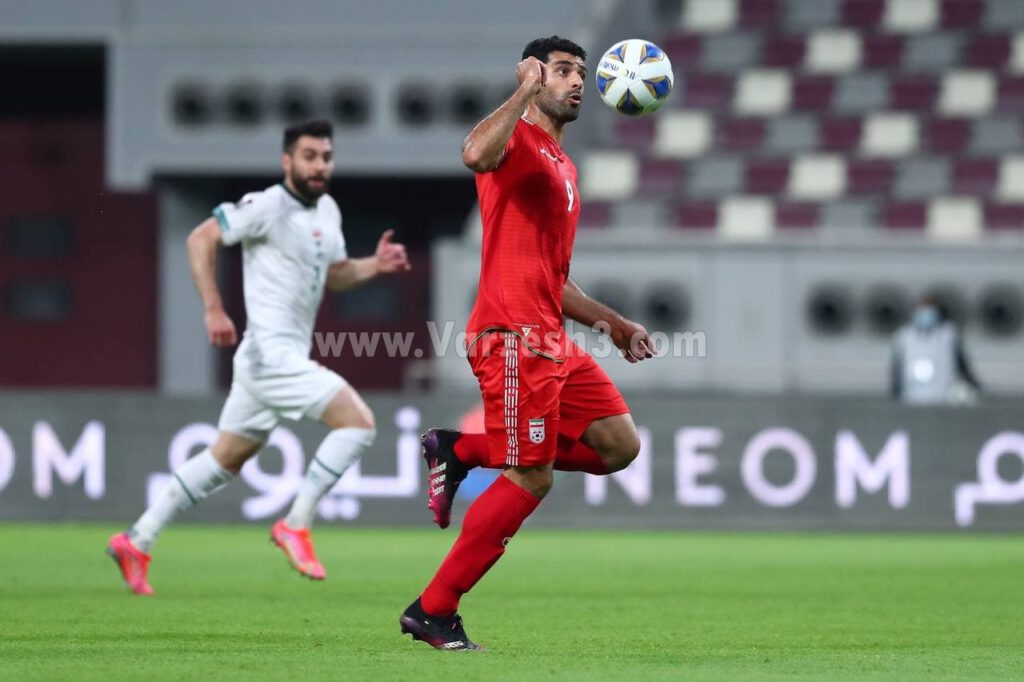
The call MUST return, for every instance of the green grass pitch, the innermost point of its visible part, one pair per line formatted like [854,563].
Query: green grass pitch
[559,606]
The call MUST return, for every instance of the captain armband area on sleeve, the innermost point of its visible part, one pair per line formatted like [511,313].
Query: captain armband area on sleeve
[222,219]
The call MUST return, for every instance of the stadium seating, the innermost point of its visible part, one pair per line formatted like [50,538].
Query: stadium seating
[797,115]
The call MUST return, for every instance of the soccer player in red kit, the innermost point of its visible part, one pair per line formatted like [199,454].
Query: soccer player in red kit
[547,404]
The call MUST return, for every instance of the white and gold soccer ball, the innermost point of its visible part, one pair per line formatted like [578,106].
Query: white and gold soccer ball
[634,77]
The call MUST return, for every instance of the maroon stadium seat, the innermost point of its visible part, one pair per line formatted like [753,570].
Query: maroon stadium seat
[912,93]
[784,51]
[946,134]
[741,134]
[683,49]
[661,176]
[697,215]
[595,214]
[758,13]
[812,93]
[634,133]
[767,176]
[862,13]
[707,91]
[905,216]
[1011,93]
[868,177]
[883,51]
[841,134]
[975,176]
[962,13]
[1004,216]
[988,50]
[797,216]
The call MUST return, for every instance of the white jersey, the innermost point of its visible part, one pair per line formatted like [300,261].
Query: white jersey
[287,246]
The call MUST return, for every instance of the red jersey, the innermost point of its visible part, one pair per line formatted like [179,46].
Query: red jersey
[529,206]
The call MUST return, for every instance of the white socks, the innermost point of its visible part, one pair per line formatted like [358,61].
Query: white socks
[340,450]
[201,475]
[191,482]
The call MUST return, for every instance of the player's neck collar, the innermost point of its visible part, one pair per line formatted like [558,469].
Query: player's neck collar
[554,139]
[295,196]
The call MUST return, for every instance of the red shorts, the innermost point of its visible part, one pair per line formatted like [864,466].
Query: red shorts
[530,400]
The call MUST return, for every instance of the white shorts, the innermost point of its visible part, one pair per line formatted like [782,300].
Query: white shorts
[294,390]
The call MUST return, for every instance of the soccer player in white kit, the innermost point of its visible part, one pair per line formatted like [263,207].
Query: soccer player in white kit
[292,247]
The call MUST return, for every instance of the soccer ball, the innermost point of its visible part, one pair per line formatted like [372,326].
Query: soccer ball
[634,77]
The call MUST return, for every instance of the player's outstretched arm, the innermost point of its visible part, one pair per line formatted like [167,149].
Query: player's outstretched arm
[354,272]
[203,243]
[628,336]
[483,148]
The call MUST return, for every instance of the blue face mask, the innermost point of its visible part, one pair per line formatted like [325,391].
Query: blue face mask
[925,317]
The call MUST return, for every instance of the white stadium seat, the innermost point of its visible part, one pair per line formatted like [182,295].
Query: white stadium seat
[746,218]
[817,177]
[954,219]
[833,52]
[889,135]
[763,92]
[1011,179]
[609,176]
[709,16]
[967,93]
[682,134]
[911,16]
[1017,54]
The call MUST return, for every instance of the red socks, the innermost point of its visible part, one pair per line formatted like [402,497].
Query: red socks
[492,520]
[490,523]
[572,455]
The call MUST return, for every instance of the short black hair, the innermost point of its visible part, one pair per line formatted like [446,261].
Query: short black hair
[318,128]
[542,47]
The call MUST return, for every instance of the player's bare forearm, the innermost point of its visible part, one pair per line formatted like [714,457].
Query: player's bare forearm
[482,148]
[576,305]
[203,243]
[628,336]
[351,273]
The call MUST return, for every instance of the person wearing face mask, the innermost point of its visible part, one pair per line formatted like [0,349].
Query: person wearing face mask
[929,365]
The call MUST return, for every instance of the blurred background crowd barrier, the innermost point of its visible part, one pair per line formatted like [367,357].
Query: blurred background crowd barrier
[787,463]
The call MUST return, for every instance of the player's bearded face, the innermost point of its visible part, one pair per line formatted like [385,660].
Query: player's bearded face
[310,165]
[562,97]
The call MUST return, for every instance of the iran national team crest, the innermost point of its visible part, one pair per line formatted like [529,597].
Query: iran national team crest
[536,431]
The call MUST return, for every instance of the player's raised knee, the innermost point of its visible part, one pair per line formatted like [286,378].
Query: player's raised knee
[622,451]
[366,420]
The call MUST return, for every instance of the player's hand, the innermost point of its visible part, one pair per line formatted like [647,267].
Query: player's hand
[631,338]
[533,74]
[220,329]
[391,257]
